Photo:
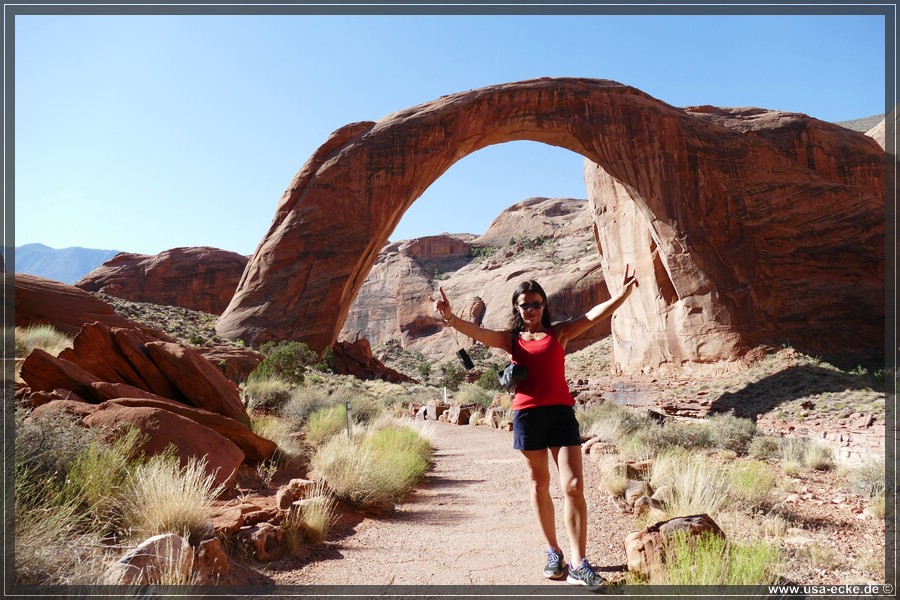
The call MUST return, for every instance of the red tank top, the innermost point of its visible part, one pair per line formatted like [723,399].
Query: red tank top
[546,384]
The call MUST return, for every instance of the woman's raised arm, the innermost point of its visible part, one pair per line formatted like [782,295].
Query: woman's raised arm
[569,330]
[488,337]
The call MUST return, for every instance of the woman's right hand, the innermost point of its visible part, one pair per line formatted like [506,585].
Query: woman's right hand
[442,306]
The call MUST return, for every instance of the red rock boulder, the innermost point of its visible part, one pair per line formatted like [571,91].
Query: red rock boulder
[199,278]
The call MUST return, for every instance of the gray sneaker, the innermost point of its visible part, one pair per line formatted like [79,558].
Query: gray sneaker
[584,575]
[556,568]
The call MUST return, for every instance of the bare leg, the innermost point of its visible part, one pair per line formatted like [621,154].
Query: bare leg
[571,480]
[541,502]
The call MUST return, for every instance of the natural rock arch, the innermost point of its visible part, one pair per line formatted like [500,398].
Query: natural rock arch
[746,228]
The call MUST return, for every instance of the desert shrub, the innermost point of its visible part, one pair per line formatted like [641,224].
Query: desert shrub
[470,393]
[452,376]
[164,497]
[750,483]
[100,470]
[53,544]
[305,401]
[376,468]
[489,378]
[685,434]
[45,337]
[287,360]
[291,450]
[365,409]
[311,520]
[731,433]
[46,447]
[610,422]
[269,392]
[867,478]
[765,447]
[710,560]
[61,504]
[804,452]
[325,423]
[698,484]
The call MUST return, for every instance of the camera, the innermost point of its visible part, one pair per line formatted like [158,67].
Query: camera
[463,357]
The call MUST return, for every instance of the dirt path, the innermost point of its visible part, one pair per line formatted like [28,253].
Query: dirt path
[469,522]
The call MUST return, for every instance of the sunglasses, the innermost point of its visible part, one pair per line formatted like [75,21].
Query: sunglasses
[531,306]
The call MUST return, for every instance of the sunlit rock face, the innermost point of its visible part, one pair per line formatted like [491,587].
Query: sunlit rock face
[747,226]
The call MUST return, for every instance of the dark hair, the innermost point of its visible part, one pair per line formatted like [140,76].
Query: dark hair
[525,287]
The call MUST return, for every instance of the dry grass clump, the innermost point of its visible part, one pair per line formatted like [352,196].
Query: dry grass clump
[797,453]
[269,392]
[751,483]
[868,478]
[697,484]
[164,497]
[376,468]
[311,520]
[469,393]
[326,423]
[291,448]
[610,422]
[45,337]
[711,560]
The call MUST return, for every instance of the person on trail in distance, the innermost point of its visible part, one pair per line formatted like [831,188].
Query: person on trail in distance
[544,414]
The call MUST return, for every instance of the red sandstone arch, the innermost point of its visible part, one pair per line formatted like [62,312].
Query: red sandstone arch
[748,227]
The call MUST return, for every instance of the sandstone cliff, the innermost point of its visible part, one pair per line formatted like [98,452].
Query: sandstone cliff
[549,240]
[199,278]
[749,226]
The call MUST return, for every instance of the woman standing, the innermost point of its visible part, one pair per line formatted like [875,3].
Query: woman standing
[544,416]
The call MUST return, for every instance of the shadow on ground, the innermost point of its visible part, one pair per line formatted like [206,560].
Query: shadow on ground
[795,382]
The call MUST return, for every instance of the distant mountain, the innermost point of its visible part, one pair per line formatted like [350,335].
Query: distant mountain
[862,125]
[67,265]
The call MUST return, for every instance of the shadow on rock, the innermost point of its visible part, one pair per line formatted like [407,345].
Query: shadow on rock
[794,382]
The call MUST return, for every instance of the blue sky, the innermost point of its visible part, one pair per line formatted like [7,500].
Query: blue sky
[143,133]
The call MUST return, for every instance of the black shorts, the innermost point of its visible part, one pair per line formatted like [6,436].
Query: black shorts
[545,427]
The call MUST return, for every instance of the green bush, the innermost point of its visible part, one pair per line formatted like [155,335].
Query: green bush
[452,376]
[611,422]
[286,360]
[489,378]
[750,483]
[765,447]
[470,393]
[99,471]
[731,433]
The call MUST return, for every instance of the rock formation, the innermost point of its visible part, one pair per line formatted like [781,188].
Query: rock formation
[532,239]
[782,241]
[198,278]
[40,301]
[124,374]
[749,226]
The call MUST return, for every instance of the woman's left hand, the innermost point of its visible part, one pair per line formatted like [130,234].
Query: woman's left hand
[629,279]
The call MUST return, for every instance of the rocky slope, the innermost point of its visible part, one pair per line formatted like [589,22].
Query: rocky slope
[198,278]
[546,239]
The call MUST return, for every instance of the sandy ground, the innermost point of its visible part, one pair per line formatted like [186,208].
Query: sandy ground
[468,523]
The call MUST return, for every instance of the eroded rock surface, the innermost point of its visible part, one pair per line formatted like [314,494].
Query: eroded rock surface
[547,239]
[199,278]
[747,226]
